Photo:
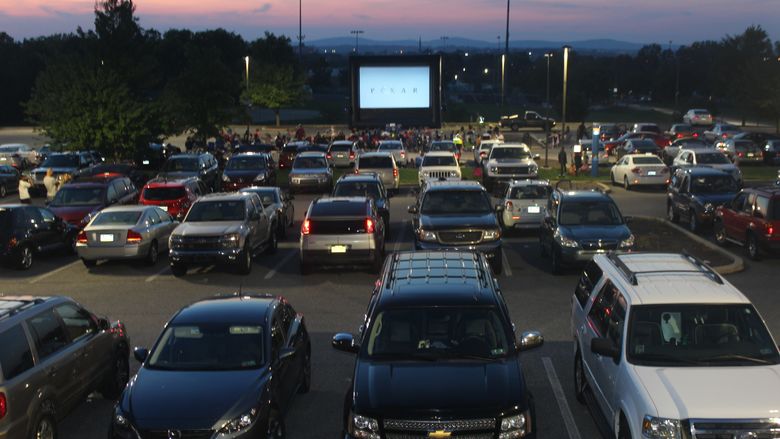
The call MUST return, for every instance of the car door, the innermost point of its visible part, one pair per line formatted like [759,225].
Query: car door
[263,221]
[280,366]
[167,224]
[620,169]
[730,213]
[93,346]
[43,231]
[683,197]
[296,339]
[550,223]
[590,281]
[744,218]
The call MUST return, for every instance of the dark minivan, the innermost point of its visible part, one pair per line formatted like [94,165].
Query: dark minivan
[26,231]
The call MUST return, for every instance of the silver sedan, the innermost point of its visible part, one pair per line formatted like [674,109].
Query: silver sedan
[125,232]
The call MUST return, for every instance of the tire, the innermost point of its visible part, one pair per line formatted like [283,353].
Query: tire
[281,230]
[542,249]
[671,214]
[151,257]
[624,431]
[3,191]
[89,263]
[555,262]
[25,258]
[626,186]
[115,382]
[274,244]
[693,222]
[751,247]
[580,383]
[45,427]
[498,263]
[244,265]
[178,270]
[276,428]
[376,264]
[720,232]
[306,378]
[612,178]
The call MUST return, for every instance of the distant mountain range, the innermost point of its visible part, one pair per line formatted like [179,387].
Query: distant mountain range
[455,43]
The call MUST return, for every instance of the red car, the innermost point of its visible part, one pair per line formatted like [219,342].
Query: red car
[76,202]
[174,196]
[660,140]
[752,220]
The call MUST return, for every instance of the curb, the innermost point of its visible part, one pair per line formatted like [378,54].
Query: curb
[734,267]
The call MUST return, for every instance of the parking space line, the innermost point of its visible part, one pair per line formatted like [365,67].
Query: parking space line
[53,272]
[505,263]
[281,264]
[158,274]
[400,236]
[563,405]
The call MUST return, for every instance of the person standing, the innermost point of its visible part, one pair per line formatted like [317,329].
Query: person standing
[581,131]
[562,160]
[24,190]
[50,183]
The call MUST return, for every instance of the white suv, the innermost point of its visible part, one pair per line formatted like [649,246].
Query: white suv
[438,166]
[666,348]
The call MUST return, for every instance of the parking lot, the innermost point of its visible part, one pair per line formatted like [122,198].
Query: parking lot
[335,300]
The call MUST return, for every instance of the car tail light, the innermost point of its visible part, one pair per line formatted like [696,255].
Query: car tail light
[509,205]
[679,135]
[740,154]
[82,237]
[369,225]
[329,156]
[483,154]
[636,171]
[306,227]
[457,156]
[3,405]
[770,230]
[725,135]
[133,237]
[403,154]
[695,134]
[357,171]
[352,155]
[395,172]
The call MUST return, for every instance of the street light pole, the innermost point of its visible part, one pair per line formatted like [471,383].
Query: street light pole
[547,56]
[565,85]
[506,55]
[300,30]
[356,33]
[248,99]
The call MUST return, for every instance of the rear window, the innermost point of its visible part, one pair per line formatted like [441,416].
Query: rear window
[376,162]
[357,189]
[309,163]
[647,161]
[340,148]
[389,146]
[701,112]
[181,164]
[290,148]
[15,356]
[530,192]
[683,127]
[116,219]
[339,208]
[242,163]
[769,207]
[164,193]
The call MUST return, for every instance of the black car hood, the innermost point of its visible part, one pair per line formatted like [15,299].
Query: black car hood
[579,233]
[178,175]
[452,388]
[251,173]
[160,399]
[716,199]
[443,222]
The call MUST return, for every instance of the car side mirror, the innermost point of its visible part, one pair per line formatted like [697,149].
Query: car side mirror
[345,343]
[413,210]
[628,219]
[140,354]
[604,347]
[530,340]
[537,156]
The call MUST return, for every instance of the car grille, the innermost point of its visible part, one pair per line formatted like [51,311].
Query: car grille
[196,243]
[512,170]
[461,429]
[599,244]
[460,237]
[185,434]
[437,174]
[728,429]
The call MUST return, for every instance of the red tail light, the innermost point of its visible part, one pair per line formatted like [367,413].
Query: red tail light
[770,230]
[82,237]
[352,155]
[395,172]
[636,171]
[357,171]
[695,134]
[679,135]
[483,154]
[133,237]
[740,154]
[3,405]
[457,157]
[369,225]
[403,154]
[509,205]
[725,135]
[306,227]
[329,156]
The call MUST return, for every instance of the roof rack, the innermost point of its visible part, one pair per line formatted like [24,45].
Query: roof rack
[631,276]
[455,271]
[24,304]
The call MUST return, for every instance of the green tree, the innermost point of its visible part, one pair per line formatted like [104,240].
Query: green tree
[744,69]
[275,89]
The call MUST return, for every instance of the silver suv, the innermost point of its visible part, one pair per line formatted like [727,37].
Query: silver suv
[53,353]
[342,231]
[383,164]
[508,162]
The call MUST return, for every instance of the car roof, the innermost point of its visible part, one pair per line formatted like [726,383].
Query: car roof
[158,182]
[703,170]
[511,145]
[225,196]
[342,142]
[360,177]
[13,206]
[376,154]
[13,305]
[341,200]
[437,278]
[450,185]
[128,208]
[439,154]
[250,154]
[659,278]
[316,154]
[239,309]
[584,195]
[771,191]
[529,182]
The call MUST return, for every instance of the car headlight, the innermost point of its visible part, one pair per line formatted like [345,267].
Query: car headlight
[533,169]
[425,235]
[225,178]
[363,427]
[709,208]
[513,426]
[122,426]
[491,235]
[627,243]
[494,169]
[231,240]
[661,428]
[260,177]
[238,425]
[454,174]
[565,241]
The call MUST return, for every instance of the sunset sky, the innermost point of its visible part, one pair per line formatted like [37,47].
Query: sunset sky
[639,21]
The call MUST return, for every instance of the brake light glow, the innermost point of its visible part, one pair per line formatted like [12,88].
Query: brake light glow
[329,156]
[369,225]
[740,154]
[679,135]
[695,134]
[3,405]
[403,154]
[352,155]
[395,172]
[82,237]
[770,230]
[306,227]
[133,237]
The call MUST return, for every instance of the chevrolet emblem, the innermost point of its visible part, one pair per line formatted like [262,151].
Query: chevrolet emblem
[439,434]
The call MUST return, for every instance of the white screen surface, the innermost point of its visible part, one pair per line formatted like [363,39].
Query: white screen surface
[395,87]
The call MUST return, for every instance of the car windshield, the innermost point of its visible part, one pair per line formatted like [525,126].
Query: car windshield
[590,213]
[509,153]
[116,219]
[375,162]
[530,192]
[645,146]
[228,210]
[75,196]
[340,148]
[214,346]
[61,161]
[653,160]
[164,193]
[309,163]
[246,163]
[267,196]
[715,158]
[442,146]
[389,146]
[713,184]
[181,164]
[453,202]
[438,333]
[357,189]
[8,149]
[681,127]
[439,161]
[699,335]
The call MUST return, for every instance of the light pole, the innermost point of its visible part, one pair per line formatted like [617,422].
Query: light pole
[300,30]
[566,50]
[248,99]
[444,43]
[506,55]
[547,56]
[356,33]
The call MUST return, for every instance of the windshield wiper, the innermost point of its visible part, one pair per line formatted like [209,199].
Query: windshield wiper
[734,357]
[473,356]
[406,356]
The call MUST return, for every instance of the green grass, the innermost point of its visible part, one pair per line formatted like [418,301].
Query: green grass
[759,173]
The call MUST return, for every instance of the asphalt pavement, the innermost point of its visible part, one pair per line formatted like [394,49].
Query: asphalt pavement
[144,298]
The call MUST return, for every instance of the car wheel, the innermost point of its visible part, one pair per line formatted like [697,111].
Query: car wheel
[70,244]
[751,247]
[89,263]
[612,178]
[306,378]
[282,230]
[45,427]
[274,244]
[244,265]
[276,429]
[498,263]
[151,257]
[555,262]
[580,384]
[624,431]
[693,222]
[626,186]
[116,381]
[178,270]
[25,258]
[3,191]
[671,215]
[720,232]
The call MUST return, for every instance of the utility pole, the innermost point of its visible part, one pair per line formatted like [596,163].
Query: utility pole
[419,43]
[547,110]
[248,99]
[356,33]
[300,30]
[504,59]
[444,42]
[566,50]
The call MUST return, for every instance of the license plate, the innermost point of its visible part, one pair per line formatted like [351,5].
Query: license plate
[165,208]
[145,162]
[106,237]
[341,156]
[534,209]
[751,155]
[652,173]
[338,249]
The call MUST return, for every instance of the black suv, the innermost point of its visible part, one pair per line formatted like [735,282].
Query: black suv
[695,193]
[54,353]
[29,230]
[580,224]
[366,185]
[457,215]
[203,166]
[437,355]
